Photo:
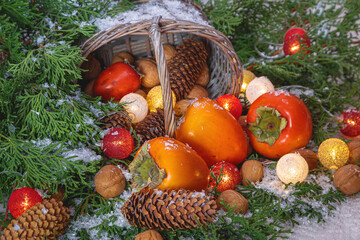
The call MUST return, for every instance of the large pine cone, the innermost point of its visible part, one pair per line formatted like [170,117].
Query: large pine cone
[152,126]
[169,209]
[41,221]
[118,119]
[185,67]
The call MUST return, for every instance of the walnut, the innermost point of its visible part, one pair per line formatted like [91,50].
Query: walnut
[347,179]
[92,67]
[123,57]
[148,69]
[197,92]
[149,235]
[233,198]
[251,171]
[354,148]
[110,181]
[311,158]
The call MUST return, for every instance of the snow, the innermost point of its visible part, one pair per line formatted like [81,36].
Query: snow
[167,9]
[84,154]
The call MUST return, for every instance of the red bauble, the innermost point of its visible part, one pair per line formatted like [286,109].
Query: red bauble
[230,176]
[350,120]
[117,143]
[230,103]
[292,41]
[22,199]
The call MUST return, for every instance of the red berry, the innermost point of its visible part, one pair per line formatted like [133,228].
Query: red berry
[117,143]
[292,41]
[22,199]
[350,120]
[230,176]
[230,103]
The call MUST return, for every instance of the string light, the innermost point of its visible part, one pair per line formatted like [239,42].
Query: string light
[333,153]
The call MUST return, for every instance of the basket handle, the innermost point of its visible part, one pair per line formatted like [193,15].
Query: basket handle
[169,114]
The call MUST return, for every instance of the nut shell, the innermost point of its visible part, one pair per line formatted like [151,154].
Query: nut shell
[169,51]
[92,67]
[354,148]
[233,198]
[181,106]
[148,69]
[251,171]
[204,77]
[110,181]
[197,92]
[347,179]
[149,235]
[311,157]
[122,56]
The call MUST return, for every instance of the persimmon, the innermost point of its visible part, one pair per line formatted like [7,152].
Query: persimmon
[213,133]
[165,162]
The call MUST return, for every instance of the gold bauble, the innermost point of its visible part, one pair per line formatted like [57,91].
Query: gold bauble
[292,168]
[154,98]
[247,78]
[333,153]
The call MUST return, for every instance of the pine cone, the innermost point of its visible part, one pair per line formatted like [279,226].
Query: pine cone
[41,221]
[152,126]
[185,67]
[169,209]
[118,119]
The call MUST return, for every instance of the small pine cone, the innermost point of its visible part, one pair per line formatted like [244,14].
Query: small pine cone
[41,221]
[152,126]
[169,209]
[118,119]
[185,67]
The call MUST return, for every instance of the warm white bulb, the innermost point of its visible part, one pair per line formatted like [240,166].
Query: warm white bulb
[136,106]
[257,87]
[292,168]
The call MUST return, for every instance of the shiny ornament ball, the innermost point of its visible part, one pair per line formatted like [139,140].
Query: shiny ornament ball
[228,174]
[117,143]
[230,103]
[293,39]
[333,153]
[247,78]
[136,106]
[155,100]
[350,122]
[23,199]
[292,168]
[257,87]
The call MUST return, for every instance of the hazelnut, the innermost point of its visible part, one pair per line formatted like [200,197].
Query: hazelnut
[149,235]
[110,181]
[141,93]
[197,92]
[354,148]
[93,67]
[122,56]
[347,179]
[233,198]
[204,77]
[148,69]
[311,158]
[251,171]
[181,106]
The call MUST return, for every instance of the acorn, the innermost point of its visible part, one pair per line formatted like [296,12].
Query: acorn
[123,57]
[148,69]
[354,148]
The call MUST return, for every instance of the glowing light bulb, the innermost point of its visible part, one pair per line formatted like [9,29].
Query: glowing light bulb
[154,98]
[333,153]
[258,87]
[136,106]
[292,168]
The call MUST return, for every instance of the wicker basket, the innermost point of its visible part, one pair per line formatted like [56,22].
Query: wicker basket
[144,38]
